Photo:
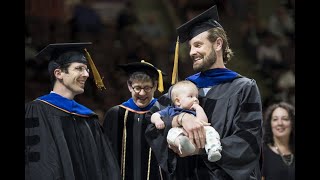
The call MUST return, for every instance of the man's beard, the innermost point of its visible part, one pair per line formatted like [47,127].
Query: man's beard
[206,63]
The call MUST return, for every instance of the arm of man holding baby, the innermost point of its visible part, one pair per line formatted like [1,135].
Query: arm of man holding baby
[193,126]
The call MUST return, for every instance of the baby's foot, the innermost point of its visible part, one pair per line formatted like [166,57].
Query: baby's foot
[185,146]
[214,156]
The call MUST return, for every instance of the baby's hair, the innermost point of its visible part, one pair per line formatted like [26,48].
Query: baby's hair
[179,87]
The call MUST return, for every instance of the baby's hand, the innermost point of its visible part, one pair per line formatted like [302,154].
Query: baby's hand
[159,124]
[195,106]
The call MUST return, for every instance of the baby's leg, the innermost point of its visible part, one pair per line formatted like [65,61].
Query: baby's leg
[213,144]
[176,137]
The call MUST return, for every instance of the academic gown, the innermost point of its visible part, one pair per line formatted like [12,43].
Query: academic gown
[234,109]
[66,146]
[125,127]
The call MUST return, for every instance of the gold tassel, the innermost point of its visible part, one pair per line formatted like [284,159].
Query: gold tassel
[96,75]
[160,82]
[160,79]
[175,64]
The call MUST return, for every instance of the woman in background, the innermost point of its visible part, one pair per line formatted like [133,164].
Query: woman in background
[279,142]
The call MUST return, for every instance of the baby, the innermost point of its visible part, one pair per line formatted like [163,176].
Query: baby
[184,96]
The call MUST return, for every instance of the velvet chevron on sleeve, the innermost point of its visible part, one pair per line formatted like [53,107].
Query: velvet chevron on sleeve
[62,145]
[234,109]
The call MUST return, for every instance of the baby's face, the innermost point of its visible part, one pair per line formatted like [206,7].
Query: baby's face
[188,97]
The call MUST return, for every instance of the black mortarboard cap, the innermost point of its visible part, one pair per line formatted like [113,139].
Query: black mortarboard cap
[203,22]
[59,54]
[146,67]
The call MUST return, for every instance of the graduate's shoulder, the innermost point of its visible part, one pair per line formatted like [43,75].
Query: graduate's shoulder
[34,104]
[244,81]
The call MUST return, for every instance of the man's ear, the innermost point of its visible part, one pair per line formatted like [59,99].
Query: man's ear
[219,43]
[58,73]
[129,86]
[155,84]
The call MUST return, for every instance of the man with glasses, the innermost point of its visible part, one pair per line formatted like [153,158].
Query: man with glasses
[125,124]
[63,139]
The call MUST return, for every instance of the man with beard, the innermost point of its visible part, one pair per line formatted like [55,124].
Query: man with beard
[64,139]
[231,102]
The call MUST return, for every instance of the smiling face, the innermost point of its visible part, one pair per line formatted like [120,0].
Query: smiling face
[74,77]
[281,123]
[202,52]
[142,92]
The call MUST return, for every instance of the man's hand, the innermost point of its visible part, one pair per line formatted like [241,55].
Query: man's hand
[194,129]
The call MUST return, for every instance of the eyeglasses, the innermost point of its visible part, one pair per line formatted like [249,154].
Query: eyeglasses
[81,69]
[137,89]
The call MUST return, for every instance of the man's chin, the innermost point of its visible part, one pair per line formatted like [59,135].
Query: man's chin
[142,104]
[196,68]
[80,91]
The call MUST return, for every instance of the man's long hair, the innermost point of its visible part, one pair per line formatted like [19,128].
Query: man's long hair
[214,33]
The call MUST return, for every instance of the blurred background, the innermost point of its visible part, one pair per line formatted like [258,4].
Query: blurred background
[262,34]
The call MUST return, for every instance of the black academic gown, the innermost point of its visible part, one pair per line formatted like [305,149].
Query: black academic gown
[234,109]
[64,146]
[135,157]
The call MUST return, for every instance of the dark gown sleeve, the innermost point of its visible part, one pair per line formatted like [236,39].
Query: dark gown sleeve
[59,145]
[43,157]
[176,168]
[158,142]
[113,129]
[238,119]
[157,139]
[107,156]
